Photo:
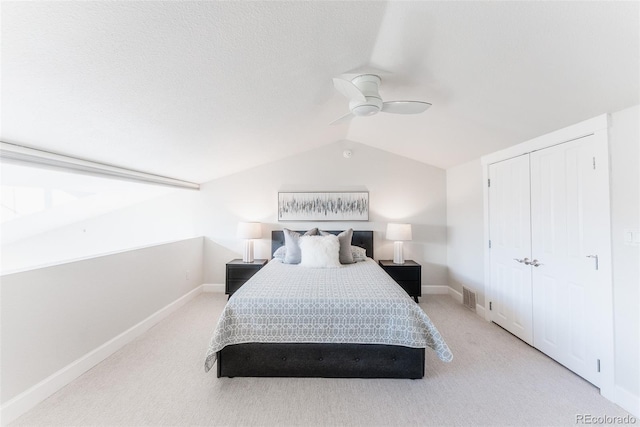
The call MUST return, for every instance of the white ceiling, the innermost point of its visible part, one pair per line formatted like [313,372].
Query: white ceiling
[199,90]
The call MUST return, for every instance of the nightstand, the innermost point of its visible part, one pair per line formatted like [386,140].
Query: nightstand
[238,272]
[407,275]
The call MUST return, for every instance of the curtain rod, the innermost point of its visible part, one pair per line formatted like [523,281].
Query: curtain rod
[19,154]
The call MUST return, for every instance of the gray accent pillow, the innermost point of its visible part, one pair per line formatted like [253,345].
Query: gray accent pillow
[280,253]
[292,245]
[358,253]
[346,257]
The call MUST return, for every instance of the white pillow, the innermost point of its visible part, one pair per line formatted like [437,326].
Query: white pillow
[345,243]
[292,254]
[320,251]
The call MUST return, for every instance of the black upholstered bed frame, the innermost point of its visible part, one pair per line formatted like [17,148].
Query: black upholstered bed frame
[345,360]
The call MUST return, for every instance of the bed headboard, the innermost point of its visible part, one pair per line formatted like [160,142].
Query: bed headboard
[364,239]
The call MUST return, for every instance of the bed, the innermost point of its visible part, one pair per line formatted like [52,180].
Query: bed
[294,321]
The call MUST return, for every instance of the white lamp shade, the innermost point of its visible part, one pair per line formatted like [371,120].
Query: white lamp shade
[249,230]
[398,232]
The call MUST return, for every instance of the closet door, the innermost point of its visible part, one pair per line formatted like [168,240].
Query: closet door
[566,220]
[509,228]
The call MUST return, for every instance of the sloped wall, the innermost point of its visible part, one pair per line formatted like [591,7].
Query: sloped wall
[159,220]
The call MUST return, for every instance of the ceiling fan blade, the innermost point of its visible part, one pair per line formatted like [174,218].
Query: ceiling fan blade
[342,119]
[405,107]
[348,89]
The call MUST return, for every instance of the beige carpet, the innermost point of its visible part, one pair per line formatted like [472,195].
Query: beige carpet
[159,379]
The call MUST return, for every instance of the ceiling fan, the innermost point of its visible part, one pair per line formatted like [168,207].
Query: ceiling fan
[364,99]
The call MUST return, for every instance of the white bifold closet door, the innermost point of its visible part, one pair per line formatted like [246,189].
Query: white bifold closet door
[509,224]
[544,286]
[567,229]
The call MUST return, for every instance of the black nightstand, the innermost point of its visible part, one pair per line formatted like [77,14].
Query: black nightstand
[407,275]
[238,272]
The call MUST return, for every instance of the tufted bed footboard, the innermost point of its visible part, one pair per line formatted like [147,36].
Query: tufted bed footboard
[321,360]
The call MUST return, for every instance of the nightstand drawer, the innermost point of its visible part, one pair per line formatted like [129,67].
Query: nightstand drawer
[234,285]
[405,274]
[242,272]
[238,272]
[412,287]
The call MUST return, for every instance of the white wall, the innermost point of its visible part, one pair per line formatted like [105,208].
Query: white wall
[465,237]
[53,316]
[163,219]
[624,142]
[464,213]
[400,189]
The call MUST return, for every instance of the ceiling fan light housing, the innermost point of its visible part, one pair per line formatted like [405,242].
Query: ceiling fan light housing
[368,108]
[365,110]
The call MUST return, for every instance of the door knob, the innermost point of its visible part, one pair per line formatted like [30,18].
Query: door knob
[536,263]
[524,261]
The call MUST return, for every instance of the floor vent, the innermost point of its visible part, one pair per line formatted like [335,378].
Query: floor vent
[469,298]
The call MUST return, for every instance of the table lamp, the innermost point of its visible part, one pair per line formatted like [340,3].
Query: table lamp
[398,233]
[248,231]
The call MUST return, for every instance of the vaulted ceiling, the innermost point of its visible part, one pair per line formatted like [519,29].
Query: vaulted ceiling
[199,90]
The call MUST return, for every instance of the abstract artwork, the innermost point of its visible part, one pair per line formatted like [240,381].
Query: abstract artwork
[323,206]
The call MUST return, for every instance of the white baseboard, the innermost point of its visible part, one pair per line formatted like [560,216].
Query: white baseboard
[480,311]
[628,401]
[213,287]
[455,294]
[28,399]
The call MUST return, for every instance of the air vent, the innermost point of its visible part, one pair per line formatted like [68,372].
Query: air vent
[469,298]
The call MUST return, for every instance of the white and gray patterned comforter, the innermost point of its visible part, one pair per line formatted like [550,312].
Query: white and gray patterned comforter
[356,303]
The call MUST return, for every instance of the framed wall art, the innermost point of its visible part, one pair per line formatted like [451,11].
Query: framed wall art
[323,206]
